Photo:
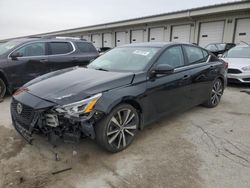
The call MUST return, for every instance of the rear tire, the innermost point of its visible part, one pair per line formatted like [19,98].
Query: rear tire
[215,94]
[2,88]
[118,129]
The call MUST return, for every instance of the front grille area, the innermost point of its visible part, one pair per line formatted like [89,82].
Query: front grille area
[25,117]
[233,80]
[234,71]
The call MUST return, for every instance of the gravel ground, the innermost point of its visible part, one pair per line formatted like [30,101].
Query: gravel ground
[199,148]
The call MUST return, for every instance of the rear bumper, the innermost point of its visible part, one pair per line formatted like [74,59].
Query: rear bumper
[240,78]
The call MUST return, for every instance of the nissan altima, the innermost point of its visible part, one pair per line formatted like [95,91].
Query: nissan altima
[118,94]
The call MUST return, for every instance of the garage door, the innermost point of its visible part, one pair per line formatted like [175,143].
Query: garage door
[107,40]
[137,36]
[97,40]
[211,32]
[86,37]
[242,30]
[156,34]
[181,33]
[120,38]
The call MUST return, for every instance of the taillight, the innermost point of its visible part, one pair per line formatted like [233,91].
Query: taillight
[226,65]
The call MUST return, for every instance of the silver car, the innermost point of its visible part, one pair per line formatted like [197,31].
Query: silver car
[238,59]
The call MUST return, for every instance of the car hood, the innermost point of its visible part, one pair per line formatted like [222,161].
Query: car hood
[237,63]
[74,84]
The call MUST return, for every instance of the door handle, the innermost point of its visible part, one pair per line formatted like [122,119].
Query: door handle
[43,61]
[186,77]
[213,69]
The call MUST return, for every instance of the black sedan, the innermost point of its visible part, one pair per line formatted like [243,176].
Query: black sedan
[119,93]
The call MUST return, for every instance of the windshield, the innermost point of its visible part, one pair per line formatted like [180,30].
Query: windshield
[127,59]
[238,52]
[5,47]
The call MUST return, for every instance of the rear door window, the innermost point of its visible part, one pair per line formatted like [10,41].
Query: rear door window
[57,48]
[85,47]
[205,54]
[173,57]
[194,55]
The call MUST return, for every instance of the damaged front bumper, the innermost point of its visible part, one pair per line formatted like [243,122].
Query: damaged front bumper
[53,125]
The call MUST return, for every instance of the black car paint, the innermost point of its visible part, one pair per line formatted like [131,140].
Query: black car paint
[158,97]
[18,71]
[153,96]
[81,83]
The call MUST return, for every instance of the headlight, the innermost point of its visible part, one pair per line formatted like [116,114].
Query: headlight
[246,68]
[81,107]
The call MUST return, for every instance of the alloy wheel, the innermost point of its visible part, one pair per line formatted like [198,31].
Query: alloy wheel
[217,92]
[122,128]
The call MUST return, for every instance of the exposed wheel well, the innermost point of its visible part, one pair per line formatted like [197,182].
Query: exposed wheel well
[4,79]
[133,103]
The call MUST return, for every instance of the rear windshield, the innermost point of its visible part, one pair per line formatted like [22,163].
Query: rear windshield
[85,47]
[221,46]
[215,47]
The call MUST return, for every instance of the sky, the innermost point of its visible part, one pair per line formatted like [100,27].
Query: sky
[28,17]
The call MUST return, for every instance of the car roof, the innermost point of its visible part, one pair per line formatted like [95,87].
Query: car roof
[242,45]
[38,39]
[220,43]
[154,44]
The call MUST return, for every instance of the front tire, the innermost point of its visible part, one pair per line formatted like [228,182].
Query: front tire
[118,129]
[215,94]
[2,88]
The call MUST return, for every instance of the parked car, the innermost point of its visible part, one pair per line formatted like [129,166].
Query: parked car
[238,59]
[25,59]
[219,48]
[119,93]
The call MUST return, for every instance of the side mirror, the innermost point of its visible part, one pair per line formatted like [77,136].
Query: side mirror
[163,69]
[15,55]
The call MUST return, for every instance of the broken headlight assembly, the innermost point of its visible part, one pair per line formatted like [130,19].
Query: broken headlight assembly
[80,108]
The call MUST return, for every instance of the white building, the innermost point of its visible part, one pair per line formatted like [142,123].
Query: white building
[228,22]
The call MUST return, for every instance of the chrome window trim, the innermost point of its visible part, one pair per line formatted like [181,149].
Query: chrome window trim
[73,46]
[208,59]
[193,65]
[189,67]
